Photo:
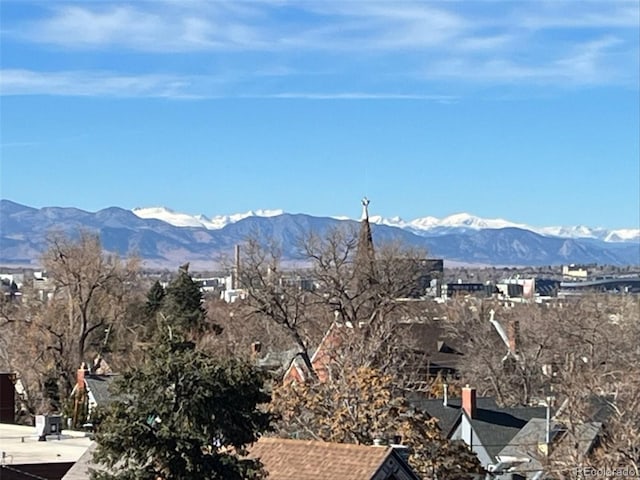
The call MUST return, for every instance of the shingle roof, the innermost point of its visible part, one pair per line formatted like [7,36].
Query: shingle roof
[99,387]
[525,443]
[432,347]
[448,415]
[287,459]
[497,427]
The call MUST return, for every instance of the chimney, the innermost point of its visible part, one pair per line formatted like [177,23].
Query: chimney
[445,394]
[513,335]
[469,401]
[80,374]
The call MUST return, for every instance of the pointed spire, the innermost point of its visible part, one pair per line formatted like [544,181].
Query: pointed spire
[365,208]
[365,255]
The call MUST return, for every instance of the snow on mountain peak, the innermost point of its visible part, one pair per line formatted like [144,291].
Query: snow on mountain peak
[169,216]
[623,235]
[421,226]
[476,223]
[185,220]
[392,222]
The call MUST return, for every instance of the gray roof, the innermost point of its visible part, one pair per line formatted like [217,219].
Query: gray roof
[495,426]
[525,443]
[99,387]
[448,415]
[277,362]
[432,349]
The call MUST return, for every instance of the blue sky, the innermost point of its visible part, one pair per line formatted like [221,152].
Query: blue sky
[522,110]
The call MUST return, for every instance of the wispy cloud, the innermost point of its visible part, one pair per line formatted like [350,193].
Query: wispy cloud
[83,83]
[534,42]
[169,26]
[580,15]
[358,96]
[108,84]
[590,63]
[150,26]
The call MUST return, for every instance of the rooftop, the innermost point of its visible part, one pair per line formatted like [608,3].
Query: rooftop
[494,425]
[287,459]
[99,385]
[20,445]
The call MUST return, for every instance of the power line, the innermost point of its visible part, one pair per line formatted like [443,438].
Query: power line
[22,472]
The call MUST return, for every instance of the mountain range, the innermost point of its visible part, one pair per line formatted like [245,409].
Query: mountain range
[424,226]
[164,238]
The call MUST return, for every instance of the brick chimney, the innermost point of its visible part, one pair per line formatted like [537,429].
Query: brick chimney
[469,401]
[513,335]
[80,377]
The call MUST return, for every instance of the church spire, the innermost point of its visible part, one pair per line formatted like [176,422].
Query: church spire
[365,256]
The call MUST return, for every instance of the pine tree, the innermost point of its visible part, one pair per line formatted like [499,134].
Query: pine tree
[155,297]
[183,303]
[182,307]
[183,415]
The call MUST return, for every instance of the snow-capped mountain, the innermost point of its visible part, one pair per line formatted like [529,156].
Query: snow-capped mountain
[423,226]
[581,231]
[185,220]
[465,222]
[457,221]
[165,238]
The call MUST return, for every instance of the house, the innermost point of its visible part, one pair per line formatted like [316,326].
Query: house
[427,350]
[286,459]
[510,442]
[484,426]
[92,388]
[320,360]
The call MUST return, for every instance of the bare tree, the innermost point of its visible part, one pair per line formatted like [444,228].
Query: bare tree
[84,315]
[91,285]
[582,352]
[329,287]
[278,297]
[361,405]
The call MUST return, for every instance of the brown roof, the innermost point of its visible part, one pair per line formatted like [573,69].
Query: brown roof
[287,459]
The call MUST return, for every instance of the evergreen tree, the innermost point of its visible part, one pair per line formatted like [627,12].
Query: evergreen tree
[183,415]
[182,307]
[183,303]
[155,297]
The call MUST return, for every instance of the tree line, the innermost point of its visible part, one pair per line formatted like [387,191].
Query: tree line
[190,383]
